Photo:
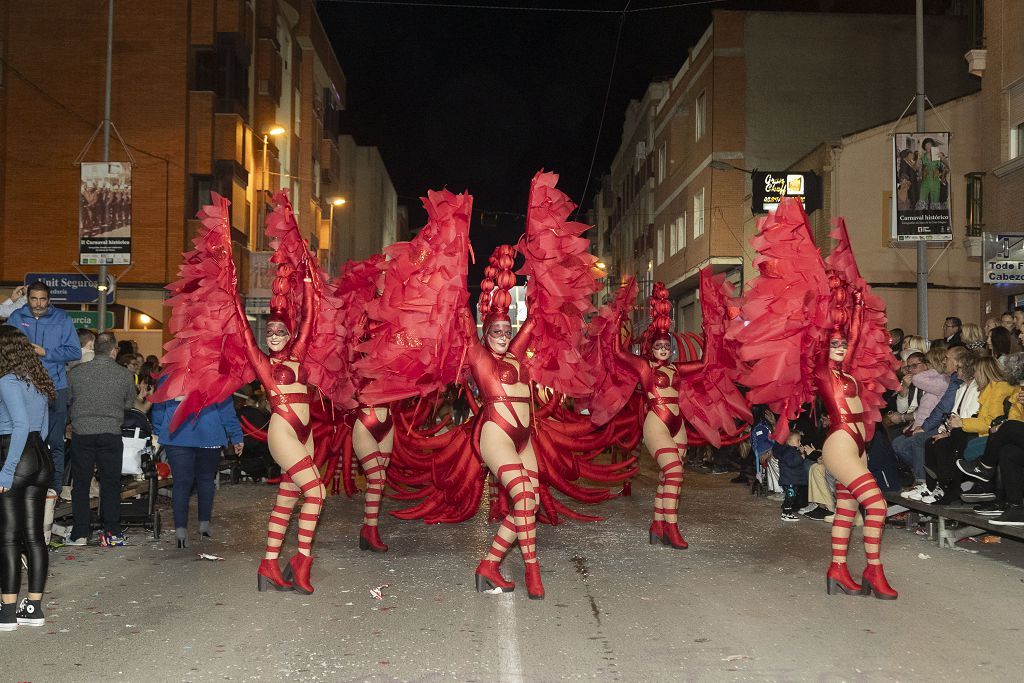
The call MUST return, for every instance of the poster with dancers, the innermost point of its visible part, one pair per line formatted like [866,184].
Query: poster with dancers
[105,214]
[921,187]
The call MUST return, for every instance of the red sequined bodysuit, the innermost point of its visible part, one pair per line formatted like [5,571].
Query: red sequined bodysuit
[274,373]
[652,376]
[835,387]
[491,372]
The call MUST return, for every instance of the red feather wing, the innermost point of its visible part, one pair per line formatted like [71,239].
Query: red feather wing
[206,360]
[562,280]
[416,347]
[872,362]
[783,326]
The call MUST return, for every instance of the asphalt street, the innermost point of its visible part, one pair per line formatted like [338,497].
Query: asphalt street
[746,602]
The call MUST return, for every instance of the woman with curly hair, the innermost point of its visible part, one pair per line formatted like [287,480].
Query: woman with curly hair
[25,472]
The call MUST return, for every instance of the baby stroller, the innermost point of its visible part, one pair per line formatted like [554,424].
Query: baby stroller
[139,461]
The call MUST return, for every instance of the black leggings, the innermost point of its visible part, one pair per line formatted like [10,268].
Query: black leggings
[21,517]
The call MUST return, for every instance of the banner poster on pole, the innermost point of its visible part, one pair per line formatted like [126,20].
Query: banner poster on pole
[105,214]
[921,187]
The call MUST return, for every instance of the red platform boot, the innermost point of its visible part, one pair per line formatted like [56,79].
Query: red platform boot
[672,537]
[838,579]
[369,539]
[875,583]
[297,572]
[269,576]
[488,577]
[534,586]
[655,533]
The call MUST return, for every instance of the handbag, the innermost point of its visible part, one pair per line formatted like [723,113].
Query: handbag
[131,453]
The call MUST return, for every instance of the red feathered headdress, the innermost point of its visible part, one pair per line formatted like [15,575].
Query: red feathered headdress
[661,320]
[495,298]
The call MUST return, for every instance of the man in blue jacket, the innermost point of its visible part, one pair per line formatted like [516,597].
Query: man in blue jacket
[54,339]
[193,452]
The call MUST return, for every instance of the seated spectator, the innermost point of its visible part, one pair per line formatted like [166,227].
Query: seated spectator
[952,329]
[100,392]
[972,417]
[913,344]
[793,467]
[821,494]
[973,338]
[254,419]
[999,344]
[910,448]
[194,452]
[761,445]
[896,336]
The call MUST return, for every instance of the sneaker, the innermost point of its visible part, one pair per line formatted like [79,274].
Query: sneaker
[76,541]
[932,497]
[790,517]
[916,492]
[8,619]
[807,508]
[990,509]
[976,470]
[1014,516]
[720,469]
[819,513]
[108,540]
[30,613]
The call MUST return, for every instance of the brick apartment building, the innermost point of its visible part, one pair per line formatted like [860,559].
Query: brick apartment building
[197,88]
[1000,186]
[758,91]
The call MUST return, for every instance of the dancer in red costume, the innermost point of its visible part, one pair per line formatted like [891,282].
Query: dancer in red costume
[811,327]
[215,351]
[694,396]
[449,481]
[371,435]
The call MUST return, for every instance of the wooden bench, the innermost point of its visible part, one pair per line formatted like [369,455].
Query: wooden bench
[974,523]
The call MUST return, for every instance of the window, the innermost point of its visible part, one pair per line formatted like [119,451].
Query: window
[700,117]
[661,246]
[680,226]
[661,163]
[973,204]
[1016,120]
[698,214]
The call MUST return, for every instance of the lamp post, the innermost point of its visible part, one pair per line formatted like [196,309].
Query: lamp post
[273,132]
[337,201]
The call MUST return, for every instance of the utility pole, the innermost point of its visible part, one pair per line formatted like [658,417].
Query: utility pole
[922,246]
[101,284]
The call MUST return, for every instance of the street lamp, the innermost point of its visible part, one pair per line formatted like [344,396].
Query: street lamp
[337,201]
[273,132]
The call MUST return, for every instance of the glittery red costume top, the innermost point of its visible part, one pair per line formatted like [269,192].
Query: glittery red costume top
[492,373]
[274,373]
[652,377]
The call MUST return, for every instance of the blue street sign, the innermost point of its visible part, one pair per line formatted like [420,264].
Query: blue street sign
[71,288]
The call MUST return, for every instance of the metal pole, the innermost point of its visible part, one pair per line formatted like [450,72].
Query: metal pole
[922,246]
[101,284]
[264,182]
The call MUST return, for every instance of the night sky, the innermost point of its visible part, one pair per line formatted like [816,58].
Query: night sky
[480,99]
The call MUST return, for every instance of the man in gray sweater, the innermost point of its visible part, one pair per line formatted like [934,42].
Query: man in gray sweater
[100,392]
